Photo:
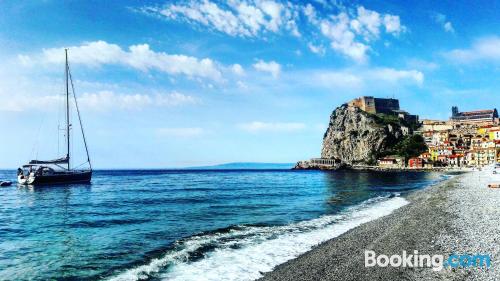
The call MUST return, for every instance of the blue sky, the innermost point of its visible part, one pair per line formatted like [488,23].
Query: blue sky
[185,83]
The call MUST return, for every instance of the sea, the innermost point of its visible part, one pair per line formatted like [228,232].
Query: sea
[186,224]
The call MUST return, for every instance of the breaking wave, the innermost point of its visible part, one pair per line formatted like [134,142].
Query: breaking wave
[246,252]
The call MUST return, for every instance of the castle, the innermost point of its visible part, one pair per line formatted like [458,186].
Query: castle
[375,105]
[382,106]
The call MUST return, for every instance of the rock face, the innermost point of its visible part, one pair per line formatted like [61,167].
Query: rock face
[356,137]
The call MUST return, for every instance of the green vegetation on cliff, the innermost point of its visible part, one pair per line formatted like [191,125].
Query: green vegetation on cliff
[410,146]
[386,119]
[390,119]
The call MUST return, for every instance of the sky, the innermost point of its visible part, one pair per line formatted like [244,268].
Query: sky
[164,84]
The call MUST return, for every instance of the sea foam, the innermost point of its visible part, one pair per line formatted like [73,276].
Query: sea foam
[246,252]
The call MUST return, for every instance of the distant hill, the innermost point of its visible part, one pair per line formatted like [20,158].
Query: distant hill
[245,166]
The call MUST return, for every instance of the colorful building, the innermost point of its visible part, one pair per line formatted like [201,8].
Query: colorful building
[416,163]
[494,134]
[456,160]
[443,159]
[426,156]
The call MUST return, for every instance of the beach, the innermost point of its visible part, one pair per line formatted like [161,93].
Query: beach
[457,216]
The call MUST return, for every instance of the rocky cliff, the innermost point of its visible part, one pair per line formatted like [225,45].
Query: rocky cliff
[356,137]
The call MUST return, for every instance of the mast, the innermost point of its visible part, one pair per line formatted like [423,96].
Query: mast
[67,107]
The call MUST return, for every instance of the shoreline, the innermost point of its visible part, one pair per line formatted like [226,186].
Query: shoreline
[381,169]
[406,169]
[441,219]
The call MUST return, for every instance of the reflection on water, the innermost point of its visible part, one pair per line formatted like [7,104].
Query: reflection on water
[346,188]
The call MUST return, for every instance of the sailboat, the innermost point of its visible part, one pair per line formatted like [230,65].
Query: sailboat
[59,171]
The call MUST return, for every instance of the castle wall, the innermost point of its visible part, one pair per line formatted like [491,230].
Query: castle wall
[386,106]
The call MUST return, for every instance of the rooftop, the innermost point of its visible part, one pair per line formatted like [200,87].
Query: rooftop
[476,112]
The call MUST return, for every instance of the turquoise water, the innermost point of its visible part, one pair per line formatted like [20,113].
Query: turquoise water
[180,225]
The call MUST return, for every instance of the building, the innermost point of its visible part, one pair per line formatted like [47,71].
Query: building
[486,153]
[435,125]
[497,150]
[494,135]
[426,156]
[484,130]
[489,148]
[443,159]
[440,137]
[324,161]
[477,141]
[416,163]
[375,105]
[456,160]
[479,116]
[391,162]
[433,151]
[409,118]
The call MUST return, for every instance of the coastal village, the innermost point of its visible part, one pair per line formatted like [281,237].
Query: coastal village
[469,139]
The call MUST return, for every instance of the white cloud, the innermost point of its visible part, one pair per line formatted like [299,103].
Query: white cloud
[236,17]
[180,132]
[342,38]
[310,13]
[448,27]
[422,64]
[99,101]
[271,67]
[336,79]
[393,75]
[242,85]
[369,23]
[258,126]
[393,25]
[140,57]
[320,50]
[22,103]
[238,69]
[359,79]
[351,35]
[25,60]
[441,20]
[104,100]
[273,10]
[349,31]
[484,49]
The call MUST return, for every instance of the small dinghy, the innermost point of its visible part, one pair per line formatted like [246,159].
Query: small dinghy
[5,183]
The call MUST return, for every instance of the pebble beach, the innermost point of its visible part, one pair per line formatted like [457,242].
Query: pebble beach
[458,216]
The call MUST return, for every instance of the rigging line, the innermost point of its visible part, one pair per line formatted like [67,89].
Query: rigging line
[72,143]
[81,165]
[79,117]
